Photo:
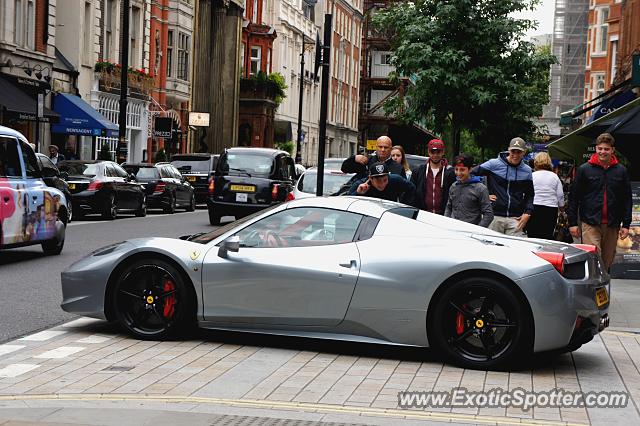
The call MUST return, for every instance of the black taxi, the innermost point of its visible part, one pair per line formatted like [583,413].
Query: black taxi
[248,179]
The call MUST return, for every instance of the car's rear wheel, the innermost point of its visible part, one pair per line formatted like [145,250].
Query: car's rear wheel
[171,207]
[54,246]
[192,204]
[480,323]
[152,300]
[110,211]
[142,210]
[214,218]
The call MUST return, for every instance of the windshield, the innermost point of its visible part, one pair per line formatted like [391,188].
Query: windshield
[241,164]
[333,182]
[80,169]
[210,236]
[143,172]
[192,164]
[333,163]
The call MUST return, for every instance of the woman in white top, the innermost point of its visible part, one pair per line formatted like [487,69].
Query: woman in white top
[548,197]
[398,155]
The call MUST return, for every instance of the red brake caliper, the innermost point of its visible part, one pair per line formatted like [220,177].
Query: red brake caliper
[169,301]
[460,321]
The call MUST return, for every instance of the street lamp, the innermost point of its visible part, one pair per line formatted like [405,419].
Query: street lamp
[299,137]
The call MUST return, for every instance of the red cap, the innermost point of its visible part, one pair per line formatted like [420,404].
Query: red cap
[435,144]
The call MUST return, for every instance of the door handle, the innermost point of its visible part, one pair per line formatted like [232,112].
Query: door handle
[351,264]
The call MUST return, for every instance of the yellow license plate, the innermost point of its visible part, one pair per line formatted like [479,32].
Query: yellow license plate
[602,297]
[243,188]
[72,186]
[191,178]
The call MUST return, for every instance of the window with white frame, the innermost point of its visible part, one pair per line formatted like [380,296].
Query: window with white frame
[268,68]
[24,23]
[614,59]
[135,39]
[170,53]
[601,29]
[598,85]
[109,30]
[254,15]
[256,53]
[184,46]
[86,33]
[242,59]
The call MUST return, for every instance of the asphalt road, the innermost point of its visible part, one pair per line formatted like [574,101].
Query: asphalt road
[30,293]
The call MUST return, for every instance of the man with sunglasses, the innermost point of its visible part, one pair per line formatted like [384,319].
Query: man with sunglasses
[510,184]
[359,163]
[382,184]
[433,180]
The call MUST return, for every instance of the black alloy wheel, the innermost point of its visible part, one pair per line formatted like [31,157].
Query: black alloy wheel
[142,210]
[111,209]
[152,300]
[171,207]
[480,323]
[192,203]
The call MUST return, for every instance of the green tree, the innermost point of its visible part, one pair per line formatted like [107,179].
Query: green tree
[468,67]
[105,153]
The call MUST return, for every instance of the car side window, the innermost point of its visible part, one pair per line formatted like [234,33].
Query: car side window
[165,172]
[30,161]
[120,172]
[9,159]
[110,171]
[48,168]
[301,227]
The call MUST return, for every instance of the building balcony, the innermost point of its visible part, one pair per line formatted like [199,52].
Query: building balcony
[109,79]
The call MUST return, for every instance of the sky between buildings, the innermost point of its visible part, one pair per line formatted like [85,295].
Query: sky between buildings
[544,15]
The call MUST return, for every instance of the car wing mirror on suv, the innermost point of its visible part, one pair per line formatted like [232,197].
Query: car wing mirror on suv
[131,177]
[230,244]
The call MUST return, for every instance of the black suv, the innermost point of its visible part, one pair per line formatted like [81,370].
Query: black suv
[196,169]
[165,187]
[249,179]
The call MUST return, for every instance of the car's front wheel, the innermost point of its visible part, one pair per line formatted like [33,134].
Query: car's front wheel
[142,209]
[170,208]
[110,211]
[152,300]
[214,218]
[192,203]
[480,323]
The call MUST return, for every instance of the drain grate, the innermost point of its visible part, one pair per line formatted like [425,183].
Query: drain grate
[229,420]
[118,368]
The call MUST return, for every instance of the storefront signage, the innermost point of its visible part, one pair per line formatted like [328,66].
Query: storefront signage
[199,119]
[372,145]
[163,127]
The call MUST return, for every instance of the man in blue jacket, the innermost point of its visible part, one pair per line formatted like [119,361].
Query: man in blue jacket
[510,185]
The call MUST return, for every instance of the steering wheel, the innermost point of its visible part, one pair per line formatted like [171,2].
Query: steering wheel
[271,239]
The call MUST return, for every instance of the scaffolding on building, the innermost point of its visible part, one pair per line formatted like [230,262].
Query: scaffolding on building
[569,46]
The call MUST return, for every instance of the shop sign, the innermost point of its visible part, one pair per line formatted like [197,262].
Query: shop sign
[163,127]
[199,119]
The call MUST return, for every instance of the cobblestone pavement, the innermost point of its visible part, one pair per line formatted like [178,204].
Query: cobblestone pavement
[69,374]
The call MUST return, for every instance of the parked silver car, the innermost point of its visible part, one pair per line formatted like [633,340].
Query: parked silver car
[352,268]
[335,183]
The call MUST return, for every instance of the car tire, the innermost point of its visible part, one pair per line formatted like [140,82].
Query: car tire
[192,204]
[214,218]
[171,207]
[142,210]
[172,307]
[110,211]
[54,246]
[460,325]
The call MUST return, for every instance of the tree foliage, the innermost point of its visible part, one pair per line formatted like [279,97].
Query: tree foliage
[467,66]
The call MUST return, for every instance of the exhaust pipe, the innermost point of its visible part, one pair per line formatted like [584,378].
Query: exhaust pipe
[604,322]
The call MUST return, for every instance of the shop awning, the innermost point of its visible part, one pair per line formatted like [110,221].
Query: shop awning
[19,105]
[574,146]
[78,118]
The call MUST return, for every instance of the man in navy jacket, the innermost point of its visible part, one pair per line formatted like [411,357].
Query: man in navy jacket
[510,185]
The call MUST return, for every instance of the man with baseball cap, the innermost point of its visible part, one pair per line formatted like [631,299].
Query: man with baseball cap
[382,184]
[510,184]
[359,164]
[433,180]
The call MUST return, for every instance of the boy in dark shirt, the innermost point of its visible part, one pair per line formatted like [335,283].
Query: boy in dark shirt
[382,184]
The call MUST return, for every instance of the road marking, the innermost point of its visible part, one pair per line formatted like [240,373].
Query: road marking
[298,406]
[14,370]
[7,349]
[61,352]
[95,338]
[42,336]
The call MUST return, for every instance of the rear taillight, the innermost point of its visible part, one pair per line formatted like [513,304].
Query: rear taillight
[555,259]
[212,186]
[290,196]
[94,186]
[274,192]
[589,248]
[160,187]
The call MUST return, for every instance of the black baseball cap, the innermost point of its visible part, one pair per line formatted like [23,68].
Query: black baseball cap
[378,168]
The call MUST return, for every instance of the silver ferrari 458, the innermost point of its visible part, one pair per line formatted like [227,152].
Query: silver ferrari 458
[352,268]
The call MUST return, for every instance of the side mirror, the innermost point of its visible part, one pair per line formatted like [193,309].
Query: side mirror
[64,175]
[230,244]
[131,177]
